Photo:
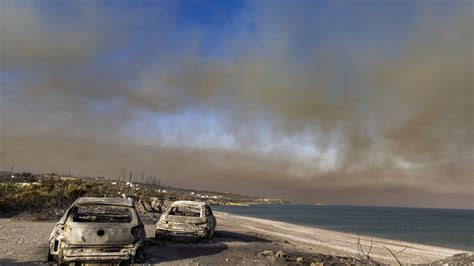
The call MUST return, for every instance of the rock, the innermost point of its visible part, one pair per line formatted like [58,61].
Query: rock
[280,254]
[458,259]
[267,253]
[299,259]
[316,264]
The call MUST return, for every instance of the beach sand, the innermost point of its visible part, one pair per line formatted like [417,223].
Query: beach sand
[336,243]
[238,240]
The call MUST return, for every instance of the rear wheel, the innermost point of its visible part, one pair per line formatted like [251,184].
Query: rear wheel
[51,258]
[137,258]
[158,236]
[140,255]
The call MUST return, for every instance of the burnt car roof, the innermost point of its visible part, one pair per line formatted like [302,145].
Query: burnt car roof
[189,203]
[104,201]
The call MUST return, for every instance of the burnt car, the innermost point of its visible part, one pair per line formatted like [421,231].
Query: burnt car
[186,220]
[98,230]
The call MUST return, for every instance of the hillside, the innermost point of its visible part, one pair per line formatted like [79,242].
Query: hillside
[48,195]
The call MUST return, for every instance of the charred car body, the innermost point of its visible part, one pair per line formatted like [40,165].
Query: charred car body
[98,230]
[186,219]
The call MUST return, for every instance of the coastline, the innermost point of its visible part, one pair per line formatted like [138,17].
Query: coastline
[338,243]
[448,228]
[238,240]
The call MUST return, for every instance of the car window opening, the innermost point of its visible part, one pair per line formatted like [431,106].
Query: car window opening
[102,214]
[185,211]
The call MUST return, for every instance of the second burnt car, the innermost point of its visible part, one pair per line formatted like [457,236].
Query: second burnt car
[98,230]
[187,219]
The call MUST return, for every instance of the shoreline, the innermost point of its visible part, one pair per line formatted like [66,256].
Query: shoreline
[449,229]
[340,243]
[238,240]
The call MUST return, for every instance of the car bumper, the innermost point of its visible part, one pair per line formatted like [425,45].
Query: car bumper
[182,234]
[98,253]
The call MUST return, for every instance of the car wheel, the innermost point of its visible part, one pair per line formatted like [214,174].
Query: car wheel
[139,255]
[137,258]
[51,258]
[158,236]
[132,260]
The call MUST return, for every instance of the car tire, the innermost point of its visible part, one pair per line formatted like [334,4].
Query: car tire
[140,255]
[51,258]
[158,236]
[137,258]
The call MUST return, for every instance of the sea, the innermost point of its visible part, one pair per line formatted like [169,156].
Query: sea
[451,228]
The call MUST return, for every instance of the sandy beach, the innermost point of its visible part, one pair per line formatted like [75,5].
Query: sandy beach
[336,243]
[238,240]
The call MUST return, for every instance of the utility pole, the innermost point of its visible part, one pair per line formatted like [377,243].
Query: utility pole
[129,183]
[122,173]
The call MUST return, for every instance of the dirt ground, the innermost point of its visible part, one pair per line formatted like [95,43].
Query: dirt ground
[238,240]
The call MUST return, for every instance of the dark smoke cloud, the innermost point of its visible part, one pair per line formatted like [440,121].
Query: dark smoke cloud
[397,120]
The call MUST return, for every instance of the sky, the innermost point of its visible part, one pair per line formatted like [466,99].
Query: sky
[341,102]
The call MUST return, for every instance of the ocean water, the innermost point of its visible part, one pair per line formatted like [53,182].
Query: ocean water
[452,228]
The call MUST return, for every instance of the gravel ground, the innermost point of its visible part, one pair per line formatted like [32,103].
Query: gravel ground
[238,240]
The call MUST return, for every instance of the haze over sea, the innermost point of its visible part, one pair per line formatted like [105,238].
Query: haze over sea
[452,228]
